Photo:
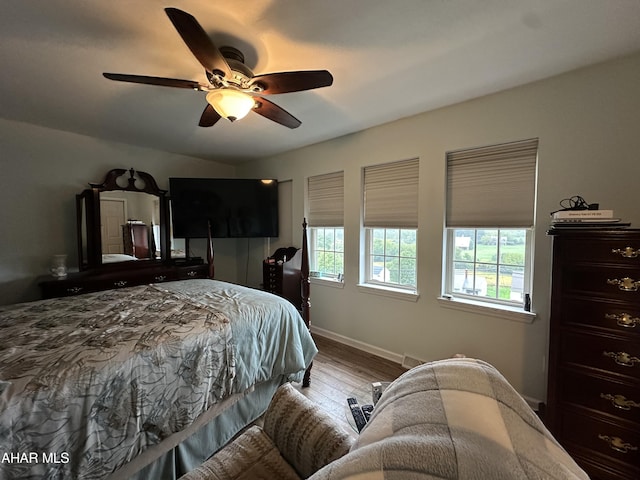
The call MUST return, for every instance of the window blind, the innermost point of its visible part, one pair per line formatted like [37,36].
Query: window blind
[492,186]
[325,194]
[391,195]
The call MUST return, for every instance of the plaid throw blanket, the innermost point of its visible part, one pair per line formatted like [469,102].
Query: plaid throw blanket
[453,419]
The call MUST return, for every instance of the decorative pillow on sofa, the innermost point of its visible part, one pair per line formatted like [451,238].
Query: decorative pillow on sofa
[306,437]
[252,456]
[453,419]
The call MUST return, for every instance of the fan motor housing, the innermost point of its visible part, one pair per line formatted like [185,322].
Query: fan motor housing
[241,74]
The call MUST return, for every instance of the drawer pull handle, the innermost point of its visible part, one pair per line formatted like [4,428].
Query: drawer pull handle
[622,358]
[120,283]
[192,273]
[617,444]
[74,290]
[625,284]
[620,401]
[627,252]
[160,278]
[623,319]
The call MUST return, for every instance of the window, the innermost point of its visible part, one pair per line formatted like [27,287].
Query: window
[391,257]
[390,225]
[325,196]
[327,252]
[490,213]
[490,263]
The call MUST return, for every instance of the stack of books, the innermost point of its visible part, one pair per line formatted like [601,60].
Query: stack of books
[586,219]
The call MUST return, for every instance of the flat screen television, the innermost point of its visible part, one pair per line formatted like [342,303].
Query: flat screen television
[234,207]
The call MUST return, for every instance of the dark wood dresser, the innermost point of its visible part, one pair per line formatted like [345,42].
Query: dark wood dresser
[594,350]
[95,281]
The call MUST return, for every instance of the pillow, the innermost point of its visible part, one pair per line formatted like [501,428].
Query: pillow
[307,437]
[251,456]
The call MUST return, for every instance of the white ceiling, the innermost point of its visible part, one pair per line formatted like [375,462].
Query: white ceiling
[389,58]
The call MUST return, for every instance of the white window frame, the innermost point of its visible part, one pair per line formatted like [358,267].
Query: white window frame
[449,288]
[368,264]
[389,202]
[491,188]
[315,270]
[325,210]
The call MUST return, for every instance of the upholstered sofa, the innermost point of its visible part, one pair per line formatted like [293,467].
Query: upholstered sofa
[451,419]
[295,440]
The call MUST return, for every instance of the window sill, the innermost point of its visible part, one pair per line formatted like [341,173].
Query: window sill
[327,282]
[500,311]
[389,292]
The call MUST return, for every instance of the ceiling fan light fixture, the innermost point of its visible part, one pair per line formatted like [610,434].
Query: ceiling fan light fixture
[230,103]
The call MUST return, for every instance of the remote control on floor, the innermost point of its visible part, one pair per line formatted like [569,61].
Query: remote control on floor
[366,410]
[358,415]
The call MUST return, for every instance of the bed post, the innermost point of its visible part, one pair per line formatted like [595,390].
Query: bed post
[210,253]
[305,287]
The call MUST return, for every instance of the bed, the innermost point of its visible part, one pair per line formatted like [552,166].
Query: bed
[117,257]
[142,382]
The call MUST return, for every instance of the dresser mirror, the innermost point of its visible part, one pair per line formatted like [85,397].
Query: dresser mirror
[122,222]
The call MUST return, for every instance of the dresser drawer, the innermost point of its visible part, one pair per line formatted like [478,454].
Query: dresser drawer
[605,353]
[608,442]
[620,317]
[159,277]
[613,247]
[620,400]
[62,288]
[187,273]
[85,282]
[133,279]
[622,283]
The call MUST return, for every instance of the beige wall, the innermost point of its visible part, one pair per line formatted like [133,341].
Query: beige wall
[41,172]
[587,123]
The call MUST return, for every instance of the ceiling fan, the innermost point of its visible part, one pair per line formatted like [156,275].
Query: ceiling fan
[233,90]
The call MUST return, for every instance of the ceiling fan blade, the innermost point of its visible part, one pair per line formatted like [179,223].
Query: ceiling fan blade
[162,81]
[209,117]
[273,112]
[285,82]
[198,42]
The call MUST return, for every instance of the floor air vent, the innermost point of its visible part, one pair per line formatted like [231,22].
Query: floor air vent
[410,362]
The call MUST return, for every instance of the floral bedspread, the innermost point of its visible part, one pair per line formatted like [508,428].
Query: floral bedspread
[87,382]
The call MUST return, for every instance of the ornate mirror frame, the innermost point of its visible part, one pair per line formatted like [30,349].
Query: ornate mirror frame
[89,223]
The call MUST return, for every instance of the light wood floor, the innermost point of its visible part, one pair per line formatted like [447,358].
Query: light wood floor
[338,370]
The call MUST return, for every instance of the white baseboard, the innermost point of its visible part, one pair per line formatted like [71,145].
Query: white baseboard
[365,347]
[403,360]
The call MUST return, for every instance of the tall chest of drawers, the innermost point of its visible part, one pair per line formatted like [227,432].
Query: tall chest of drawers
[593,401]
